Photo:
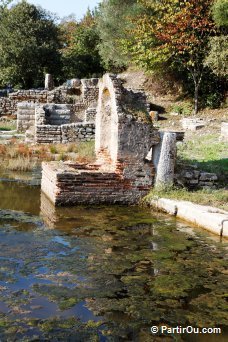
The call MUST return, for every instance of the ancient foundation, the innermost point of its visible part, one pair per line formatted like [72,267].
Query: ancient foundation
[56,122]
[121,173]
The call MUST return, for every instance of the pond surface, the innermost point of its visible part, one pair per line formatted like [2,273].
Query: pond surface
[103,273]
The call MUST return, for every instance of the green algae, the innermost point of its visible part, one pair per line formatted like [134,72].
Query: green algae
[129,268]
[65,297]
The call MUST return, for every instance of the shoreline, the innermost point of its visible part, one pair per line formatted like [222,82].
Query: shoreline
[210,218]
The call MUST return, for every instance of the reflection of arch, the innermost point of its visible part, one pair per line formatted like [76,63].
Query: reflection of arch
[107,121]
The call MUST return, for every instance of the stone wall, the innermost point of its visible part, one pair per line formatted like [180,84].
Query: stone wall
[67,133]
[48,134]
[7,106]
[83,95]
[196,179]
[25,116]
[90,91]
[121,173]
[58,114]
[90,114]
[78,132]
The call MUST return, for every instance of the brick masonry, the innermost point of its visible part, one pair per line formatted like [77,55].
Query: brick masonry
[121,173]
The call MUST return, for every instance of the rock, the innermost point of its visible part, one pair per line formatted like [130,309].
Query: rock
[205,176]
[192,124]
[75,82]
[224,131]
[154,115]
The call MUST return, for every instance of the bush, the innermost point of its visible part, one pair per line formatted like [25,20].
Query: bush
[184,108]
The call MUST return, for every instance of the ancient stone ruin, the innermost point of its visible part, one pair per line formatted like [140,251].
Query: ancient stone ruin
[122,172]
[224,131]
[66,114]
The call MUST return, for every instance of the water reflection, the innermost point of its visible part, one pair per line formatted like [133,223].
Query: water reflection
[103,273]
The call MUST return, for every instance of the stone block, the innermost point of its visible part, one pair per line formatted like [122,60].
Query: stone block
[224,131]
[168,205]
[206,217]
[192,124]
[206,176]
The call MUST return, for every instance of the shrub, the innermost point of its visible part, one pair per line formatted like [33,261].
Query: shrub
[53,149]
[184,108]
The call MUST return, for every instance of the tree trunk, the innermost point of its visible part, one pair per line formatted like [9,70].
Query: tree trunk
[196,98]
[197,77]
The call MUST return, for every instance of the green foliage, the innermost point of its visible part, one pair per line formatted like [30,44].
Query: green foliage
[113,24]
[217,59]
[29,45]
[80,54]
[173,33]
[220,12]
[184,108]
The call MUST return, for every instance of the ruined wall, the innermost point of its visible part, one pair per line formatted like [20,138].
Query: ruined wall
[90,91]
[64,133]
[83,95]
[78,132]
[58,114]
[121,173]
[196,179]
[25,116]
[48,134]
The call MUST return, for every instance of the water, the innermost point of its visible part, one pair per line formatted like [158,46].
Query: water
[104,273]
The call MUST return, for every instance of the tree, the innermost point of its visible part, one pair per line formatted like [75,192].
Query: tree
[220,12]
[217,58]
[29,44]
[175,32]
[113,24]
[80,54]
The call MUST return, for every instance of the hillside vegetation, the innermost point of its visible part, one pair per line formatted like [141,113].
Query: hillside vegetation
[175,40]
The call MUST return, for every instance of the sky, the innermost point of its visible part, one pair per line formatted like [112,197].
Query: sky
[64,8]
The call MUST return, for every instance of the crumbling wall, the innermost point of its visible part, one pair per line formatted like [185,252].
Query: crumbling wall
[121,173]
[52,134]
[196,179]
[81,95]
[58,114]
[48,134]
[78,132]
[25,116]
[90,91]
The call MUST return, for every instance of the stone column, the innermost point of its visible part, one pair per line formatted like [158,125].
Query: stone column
[224,131]
[164,157]
[49,83]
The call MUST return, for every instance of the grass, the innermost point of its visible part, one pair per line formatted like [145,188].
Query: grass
[206,151]
[216,198]
[22,157]
[21,164]
[210,155]
[86,151]
[8,126]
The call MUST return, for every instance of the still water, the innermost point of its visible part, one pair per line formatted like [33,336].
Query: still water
[104,273]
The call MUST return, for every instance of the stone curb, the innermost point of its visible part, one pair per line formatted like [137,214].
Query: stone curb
[213,219]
